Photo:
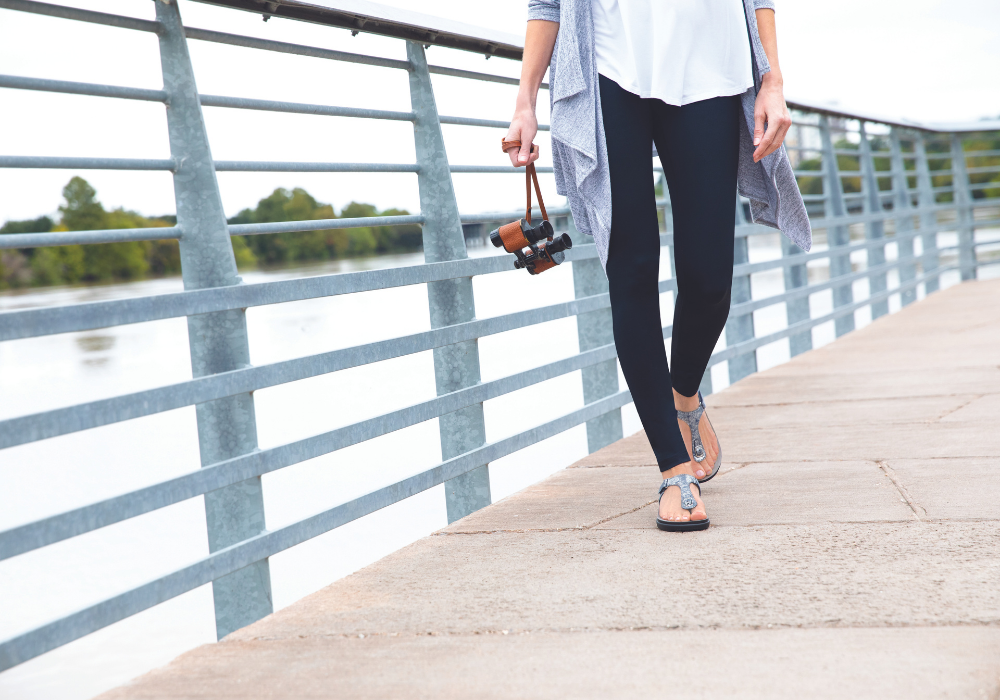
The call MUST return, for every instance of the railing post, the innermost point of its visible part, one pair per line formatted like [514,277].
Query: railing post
[740,328]
[226,427]
[796,310]
[963,204]
[451,301]
[837,236]
[595,329]
[930,260]
[875,230]
[904,220]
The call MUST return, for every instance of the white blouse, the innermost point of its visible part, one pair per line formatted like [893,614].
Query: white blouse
[678,51]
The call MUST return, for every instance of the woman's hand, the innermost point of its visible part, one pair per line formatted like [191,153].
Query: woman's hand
[523,128]
[539,40]
[770,111]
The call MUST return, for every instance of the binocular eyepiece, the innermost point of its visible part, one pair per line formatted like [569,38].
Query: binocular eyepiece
[535,248]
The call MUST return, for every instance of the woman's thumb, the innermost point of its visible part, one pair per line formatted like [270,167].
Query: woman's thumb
[522,155]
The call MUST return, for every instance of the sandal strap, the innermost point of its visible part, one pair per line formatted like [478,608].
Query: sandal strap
[693,419]
[683,482]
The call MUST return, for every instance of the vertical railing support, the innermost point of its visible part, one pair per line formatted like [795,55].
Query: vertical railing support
[875,230]
[903,219]
[837,236]
[595,329]
[963,203]
[227,427]
[451,301]
[740,328]
[930,259]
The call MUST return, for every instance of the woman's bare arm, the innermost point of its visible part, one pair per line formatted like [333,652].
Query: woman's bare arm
[770,108]
[539,40]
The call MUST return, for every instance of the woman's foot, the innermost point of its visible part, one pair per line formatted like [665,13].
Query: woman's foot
[670,504]
[708,438]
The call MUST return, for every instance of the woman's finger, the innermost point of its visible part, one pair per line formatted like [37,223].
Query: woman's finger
[758,126]
[783,124]
[766,141]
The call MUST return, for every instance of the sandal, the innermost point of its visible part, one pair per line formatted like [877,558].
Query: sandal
[688,503]
[693,418]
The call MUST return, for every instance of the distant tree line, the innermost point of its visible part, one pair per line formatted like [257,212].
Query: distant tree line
[81,211]
[852,184]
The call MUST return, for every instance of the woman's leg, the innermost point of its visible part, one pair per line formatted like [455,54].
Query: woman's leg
[698,146]
[699,149]
[633,270]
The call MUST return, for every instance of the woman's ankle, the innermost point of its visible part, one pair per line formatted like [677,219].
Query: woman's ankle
[682,468]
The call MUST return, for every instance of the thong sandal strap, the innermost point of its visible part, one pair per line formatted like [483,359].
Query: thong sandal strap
[693,418]
[682,481]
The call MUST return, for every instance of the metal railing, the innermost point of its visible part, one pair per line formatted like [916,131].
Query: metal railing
[896,194]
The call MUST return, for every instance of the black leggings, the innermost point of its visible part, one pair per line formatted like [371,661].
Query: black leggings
[698,145]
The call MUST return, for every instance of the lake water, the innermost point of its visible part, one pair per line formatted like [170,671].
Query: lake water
[50,477]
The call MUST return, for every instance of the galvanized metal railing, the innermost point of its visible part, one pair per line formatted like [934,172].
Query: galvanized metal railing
[911,212]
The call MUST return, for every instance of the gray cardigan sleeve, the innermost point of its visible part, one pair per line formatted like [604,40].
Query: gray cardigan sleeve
[549,9]
[763,4]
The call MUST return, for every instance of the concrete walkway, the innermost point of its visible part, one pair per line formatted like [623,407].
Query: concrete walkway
[854,553]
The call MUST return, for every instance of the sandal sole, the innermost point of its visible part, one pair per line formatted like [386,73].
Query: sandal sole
[685,526]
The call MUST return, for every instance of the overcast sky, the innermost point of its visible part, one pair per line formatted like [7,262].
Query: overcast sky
[930,60]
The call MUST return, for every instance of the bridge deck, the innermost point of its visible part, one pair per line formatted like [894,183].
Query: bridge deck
[855,552]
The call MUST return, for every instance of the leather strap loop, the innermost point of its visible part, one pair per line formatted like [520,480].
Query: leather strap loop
[530,176]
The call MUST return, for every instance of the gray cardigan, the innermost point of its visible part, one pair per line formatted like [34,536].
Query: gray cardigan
[579,153]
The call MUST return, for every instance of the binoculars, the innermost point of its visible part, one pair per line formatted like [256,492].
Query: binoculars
[535,247]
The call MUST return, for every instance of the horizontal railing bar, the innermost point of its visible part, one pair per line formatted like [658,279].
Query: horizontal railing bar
[268,166]
[491,123]
[505,216]
[322,224]
[981,154]
[18,82]
[258,166]
[93,414]
[248,42]
[317,52]
[33,643]
[86,163]
[78,521]
[494,169]
[43,8]
[303,108]
[807,324]
[983,169]
[473,75]
[114,235]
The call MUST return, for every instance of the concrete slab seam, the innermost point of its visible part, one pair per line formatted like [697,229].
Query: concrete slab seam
[889,472]
[827,624]
[959,408]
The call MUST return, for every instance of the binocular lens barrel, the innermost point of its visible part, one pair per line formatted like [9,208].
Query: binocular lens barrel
[531,234]
[559,244]
[538,233]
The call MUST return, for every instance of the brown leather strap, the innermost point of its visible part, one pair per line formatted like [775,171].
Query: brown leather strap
[530,176]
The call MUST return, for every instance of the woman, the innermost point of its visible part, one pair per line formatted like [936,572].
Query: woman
[698,81]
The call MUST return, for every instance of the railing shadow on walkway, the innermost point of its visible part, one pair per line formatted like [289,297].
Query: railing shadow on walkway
[895,206]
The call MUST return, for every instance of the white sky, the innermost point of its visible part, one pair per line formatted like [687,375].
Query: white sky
[931,60]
